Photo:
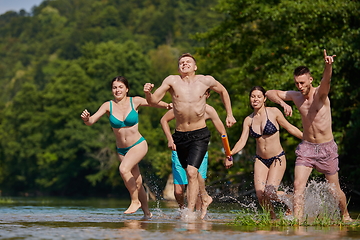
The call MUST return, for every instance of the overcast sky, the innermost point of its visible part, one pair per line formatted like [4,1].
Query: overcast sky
[17,5]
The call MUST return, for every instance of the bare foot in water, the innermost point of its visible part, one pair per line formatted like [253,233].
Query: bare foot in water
[134,206]
[347,219]
[205,204]
[147,216]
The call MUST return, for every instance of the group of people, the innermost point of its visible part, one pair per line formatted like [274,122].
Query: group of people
[189,142]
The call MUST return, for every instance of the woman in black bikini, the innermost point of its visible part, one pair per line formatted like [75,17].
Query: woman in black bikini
[270,162]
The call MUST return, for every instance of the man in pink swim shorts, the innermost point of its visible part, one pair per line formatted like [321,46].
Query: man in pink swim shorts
[318,149]
[323,156]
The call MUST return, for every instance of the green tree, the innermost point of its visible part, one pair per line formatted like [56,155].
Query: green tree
[21,140]
[261,42]
[64,54]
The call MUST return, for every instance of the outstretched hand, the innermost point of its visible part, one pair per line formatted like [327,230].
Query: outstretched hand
[85,115]
[328,59]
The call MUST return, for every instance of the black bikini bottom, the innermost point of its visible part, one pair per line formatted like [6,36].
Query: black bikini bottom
[269,161]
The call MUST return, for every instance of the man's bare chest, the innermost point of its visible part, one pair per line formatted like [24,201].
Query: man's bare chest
[188,94]
[312,109]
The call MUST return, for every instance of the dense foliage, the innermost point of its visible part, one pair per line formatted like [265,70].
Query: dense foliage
[262,42]
[60,58]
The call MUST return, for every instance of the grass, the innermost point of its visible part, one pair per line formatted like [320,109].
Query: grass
[6,200]
[246,217]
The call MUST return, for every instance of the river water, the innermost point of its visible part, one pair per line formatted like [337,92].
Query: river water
[58,218]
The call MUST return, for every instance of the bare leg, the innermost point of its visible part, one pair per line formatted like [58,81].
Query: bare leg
[287,199]
[302,174]
[131,185]
[179,192]
[198,203]
[142,193]
[260,179]
[334,180]
[128,167]
[193,186]
[206,200]
[274,177]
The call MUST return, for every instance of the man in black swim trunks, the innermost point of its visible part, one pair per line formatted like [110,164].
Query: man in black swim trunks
[191,137]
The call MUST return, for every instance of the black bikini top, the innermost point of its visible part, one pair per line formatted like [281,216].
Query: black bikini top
[269,128]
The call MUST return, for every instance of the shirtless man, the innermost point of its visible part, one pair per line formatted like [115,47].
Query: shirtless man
[318,149]
[179,173]
[191,135]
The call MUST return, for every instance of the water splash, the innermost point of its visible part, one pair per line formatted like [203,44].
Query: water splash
[252,205]
[320,202]
[188,216]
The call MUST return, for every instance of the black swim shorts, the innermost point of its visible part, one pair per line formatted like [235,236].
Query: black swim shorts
[191,146]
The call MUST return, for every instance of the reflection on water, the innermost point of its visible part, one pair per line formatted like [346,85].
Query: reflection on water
[53,218]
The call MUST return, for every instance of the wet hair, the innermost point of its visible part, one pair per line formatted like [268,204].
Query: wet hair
[186,55]
[261,89]
[301,71]
[121,79]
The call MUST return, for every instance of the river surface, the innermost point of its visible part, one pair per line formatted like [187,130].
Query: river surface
[56,218]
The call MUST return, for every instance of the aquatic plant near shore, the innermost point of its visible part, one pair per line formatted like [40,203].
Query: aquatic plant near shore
[6,200]
[263,219]
[321,208]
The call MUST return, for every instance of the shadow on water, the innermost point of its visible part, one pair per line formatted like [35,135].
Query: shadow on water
[59,218]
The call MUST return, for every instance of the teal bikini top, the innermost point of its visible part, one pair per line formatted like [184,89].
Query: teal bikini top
[131,119]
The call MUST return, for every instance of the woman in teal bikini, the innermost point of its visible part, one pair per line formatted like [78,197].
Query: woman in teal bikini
[270,162]
[131,145]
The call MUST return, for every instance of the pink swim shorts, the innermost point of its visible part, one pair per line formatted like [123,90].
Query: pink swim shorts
[321,156]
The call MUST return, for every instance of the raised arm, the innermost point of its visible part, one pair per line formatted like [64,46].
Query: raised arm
[154,98]
[90,120]
[164,121]
[140,101]
[324,87]
[280,97]
[219,88]
[285,124]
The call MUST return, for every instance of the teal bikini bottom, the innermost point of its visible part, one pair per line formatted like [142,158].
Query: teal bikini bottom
[123,151]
